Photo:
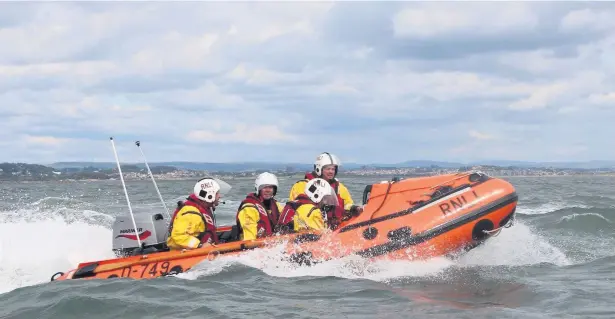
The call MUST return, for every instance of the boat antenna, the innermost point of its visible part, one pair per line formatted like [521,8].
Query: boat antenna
[138,143]
[125,192]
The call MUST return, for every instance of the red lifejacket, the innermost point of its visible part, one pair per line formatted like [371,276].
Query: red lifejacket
[334,218]
[267,221]
[285,223]
[209,234]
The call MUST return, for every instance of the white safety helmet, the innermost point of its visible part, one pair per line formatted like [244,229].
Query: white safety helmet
[266,179]
[325,159]
[320,191]
[206,189]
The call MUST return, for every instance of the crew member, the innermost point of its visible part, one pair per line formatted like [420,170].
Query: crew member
[326,167]
[193,222]
[258,213]
[311,209]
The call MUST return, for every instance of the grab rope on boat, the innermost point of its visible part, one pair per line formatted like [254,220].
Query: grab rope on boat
[448,182]
[508,224]
[459,176]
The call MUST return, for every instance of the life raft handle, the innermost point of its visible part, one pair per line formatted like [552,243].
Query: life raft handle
[508,224]
[480,174]
[366,192]
[53,277]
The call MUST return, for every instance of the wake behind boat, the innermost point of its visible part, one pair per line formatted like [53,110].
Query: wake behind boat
[402,219]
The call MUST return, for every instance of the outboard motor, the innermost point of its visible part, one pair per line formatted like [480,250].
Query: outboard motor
[152,231]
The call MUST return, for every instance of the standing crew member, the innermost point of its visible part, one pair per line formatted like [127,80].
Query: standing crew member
[258,213]
[193,222]
[326,167]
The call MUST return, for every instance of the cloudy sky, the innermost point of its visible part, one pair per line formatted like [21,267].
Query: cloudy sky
[370,82]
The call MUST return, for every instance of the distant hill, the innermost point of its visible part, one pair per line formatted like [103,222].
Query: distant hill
[174,170]
[576,165]
[501,163]
[15,168]
[36,172]
[199,166]
[252,166]
[100,165]
[413,163]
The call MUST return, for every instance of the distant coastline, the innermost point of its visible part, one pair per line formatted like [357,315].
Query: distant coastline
[36,172]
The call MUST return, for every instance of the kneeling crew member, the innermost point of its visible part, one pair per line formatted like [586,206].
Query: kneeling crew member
[258,213]
[193,222]
[311,208]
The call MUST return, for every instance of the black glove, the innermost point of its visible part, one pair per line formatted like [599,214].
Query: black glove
[355,210]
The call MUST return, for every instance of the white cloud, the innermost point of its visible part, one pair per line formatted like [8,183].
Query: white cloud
[283,81]
[537,62]
[606,98]
[208,95]
[561,92]
[434,19]
[189,52]
[79,69]
[44,140]
[445,85]
[254,134]
[540,97]
[587,19]
[480,136]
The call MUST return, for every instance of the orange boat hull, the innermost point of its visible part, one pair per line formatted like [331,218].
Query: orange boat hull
[165,263]
[396,225]
[415,218]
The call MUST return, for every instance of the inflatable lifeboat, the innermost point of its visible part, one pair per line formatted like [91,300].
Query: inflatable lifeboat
[408,219]
[419,218]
